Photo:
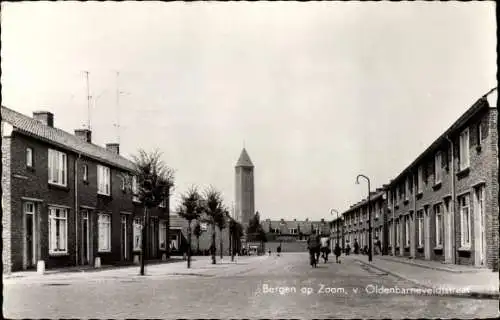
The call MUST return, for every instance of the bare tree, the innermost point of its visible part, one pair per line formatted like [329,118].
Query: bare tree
[154,183]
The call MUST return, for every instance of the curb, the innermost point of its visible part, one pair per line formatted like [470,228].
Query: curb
[473,294]
[432,267]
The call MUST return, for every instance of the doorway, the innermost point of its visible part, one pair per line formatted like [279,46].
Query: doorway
[480,228]
[85,238]
[30,235]
[124,238]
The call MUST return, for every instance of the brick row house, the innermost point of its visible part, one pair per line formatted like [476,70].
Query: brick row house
[67,201]
[444,205]
[356,227]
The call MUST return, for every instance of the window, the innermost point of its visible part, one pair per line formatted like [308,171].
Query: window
[464,149]
[407,231]
[103,180]
[85,173]
[420,179]
[437,167]
[29,208]
[463,202]
[390,234]
[398,234]
[57,167]
[439,225]
[407,188]
[293,231]
[29,157]
[479,132]
[123,184]
[58,226]
[163,235]
[420,226]
[104,225]
[135,189]
[137,234]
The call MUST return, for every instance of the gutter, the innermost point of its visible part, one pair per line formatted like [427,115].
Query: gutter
[452,204]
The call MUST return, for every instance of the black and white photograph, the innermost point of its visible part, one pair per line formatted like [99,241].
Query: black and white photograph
[249,160]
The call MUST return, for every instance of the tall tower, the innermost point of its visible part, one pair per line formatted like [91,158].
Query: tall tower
[244,186]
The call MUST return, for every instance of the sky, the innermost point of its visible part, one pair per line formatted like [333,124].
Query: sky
[316,92]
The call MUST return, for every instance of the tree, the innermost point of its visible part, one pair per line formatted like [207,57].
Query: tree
[190,209]
[197,233]
[235,234]
[154,183]
[214,210]
[221,222]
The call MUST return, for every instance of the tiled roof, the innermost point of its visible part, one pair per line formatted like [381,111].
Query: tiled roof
[363,202]
[244,160]
[63,139]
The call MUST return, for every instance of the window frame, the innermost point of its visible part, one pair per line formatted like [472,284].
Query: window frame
[420,231]
[464,155]
[407,231]
[135,189]
[103,172]
[420,179]
[101,222]
[465,199]
[61,173]
[85,175]
[439,223]
[52,222]
[29,157]
[438,172]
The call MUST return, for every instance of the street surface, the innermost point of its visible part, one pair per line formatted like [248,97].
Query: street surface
[249,289]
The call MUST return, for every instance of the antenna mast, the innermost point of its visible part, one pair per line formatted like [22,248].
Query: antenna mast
[88,99]
[117,124]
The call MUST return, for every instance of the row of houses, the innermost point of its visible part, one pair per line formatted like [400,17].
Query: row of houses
[67,201]
[444,205]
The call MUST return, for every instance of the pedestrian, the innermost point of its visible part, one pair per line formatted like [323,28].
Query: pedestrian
[269,252]
[338,251]
[278,250]
[347,249]
[356,246]
[313,245]
[379,246]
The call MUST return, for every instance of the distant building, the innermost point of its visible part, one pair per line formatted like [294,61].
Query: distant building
[244,189]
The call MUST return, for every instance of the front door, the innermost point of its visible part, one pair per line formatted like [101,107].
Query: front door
[124,238]
[479,230]
[85,238]
[29,214]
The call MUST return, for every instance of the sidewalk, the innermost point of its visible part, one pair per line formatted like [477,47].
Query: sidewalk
[456,280]
[200,266]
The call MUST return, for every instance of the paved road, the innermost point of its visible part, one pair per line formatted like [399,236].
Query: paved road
[233,291]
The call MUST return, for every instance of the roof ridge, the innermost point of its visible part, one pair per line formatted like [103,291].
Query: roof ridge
[65,136]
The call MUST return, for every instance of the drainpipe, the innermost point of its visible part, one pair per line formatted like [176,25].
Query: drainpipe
[76,207]
[452,204]
[393,240]
[415,245]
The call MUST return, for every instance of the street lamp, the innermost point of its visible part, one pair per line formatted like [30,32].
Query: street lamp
[369,217]
[337,222]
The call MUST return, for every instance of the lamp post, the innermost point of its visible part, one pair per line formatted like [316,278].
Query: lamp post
[369,217]
[337,222]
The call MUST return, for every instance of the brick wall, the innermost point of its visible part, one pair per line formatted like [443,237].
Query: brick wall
[6,207]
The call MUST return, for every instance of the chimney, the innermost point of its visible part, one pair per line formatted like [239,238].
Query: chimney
[113,147]
[84,134]
[45,117]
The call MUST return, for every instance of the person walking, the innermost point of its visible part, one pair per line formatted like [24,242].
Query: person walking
[278,250]
[313,245]
[338,251]
[356,246]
